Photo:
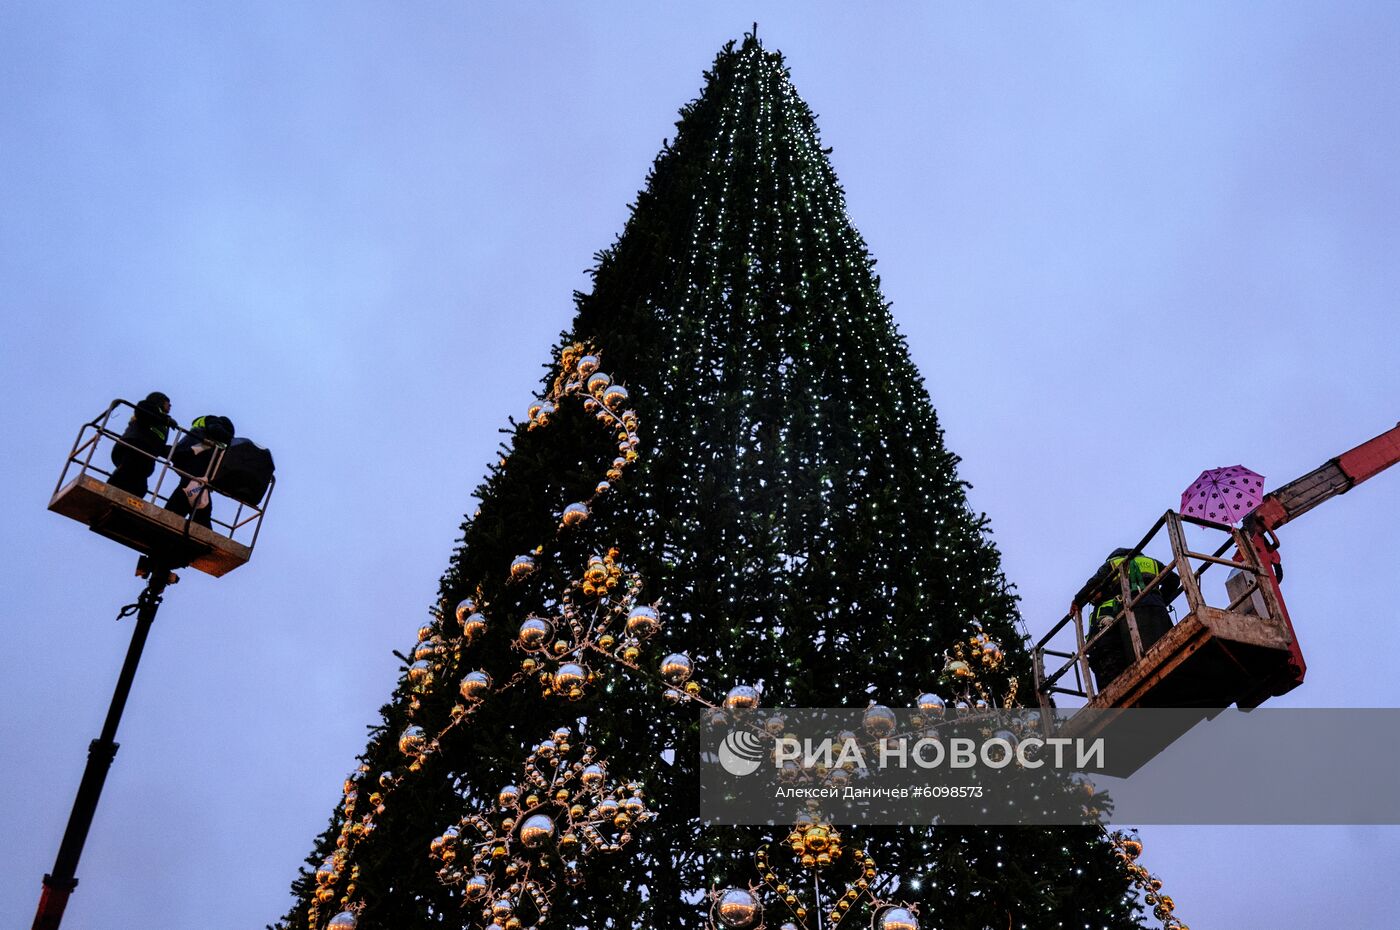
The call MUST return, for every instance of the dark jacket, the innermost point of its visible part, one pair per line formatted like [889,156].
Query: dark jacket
[195,451]
[147,430]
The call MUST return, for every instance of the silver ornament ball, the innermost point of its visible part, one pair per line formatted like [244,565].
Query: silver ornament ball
[615,396]
[741,697]
[420,672]
[569,675]
[677,668]
[412,741]
[326,870]
[897,918]
[932,705]
[537,830]
[879,721]
[534,632]
[643,620]
[474,625]
[738,909]
[475,685]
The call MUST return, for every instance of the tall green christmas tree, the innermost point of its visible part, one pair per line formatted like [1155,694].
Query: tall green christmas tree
[734,466]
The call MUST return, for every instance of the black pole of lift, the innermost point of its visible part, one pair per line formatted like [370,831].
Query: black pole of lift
[59,883]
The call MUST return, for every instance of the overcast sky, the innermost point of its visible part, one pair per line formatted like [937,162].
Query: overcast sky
[1125,242]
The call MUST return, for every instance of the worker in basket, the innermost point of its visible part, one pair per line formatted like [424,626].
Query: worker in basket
[1114,652]
[144,440]
[193,456]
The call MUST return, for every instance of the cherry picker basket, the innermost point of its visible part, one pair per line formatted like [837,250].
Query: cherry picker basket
[142,522]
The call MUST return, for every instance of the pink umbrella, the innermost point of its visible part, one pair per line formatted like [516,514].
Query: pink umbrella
[1223,495]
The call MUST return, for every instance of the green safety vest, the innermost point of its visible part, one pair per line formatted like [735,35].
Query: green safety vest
[1141,569]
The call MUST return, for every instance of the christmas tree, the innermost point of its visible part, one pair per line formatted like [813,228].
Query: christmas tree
[733,484]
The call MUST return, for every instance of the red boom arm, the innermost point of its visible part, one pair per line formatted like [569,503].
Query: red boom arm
[1296,498]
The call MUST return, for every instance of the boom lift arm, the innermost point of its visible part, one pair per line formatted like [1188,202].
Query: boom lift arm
[1294,499]
[1337,476]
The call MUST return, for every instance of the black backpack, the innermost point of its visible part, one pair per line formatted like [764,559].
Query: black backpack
[245,471]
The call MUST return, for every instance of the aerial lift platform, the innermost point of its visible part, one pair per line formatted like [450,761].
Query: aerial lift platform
[142,523]
[1240,651]
[167,541]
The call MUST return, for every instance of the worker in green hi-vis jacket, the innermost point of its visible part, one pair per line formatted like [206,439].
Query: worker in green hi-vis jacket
[1114,652]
